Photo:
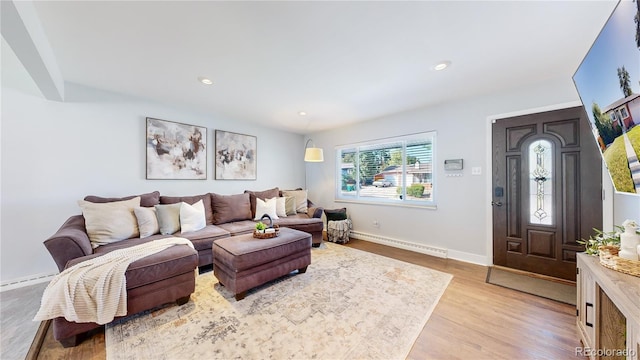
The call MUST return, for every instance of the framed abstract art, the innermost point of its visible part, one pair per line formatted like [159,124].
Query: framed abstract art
[176,150]
[236,156]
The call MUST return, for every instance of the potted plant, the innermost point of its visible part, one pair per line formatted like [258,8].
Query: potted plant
[601,238]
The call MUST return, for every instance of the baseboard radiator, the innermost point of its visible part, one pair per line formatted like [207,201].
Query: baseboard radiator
[32,280]
[402,244]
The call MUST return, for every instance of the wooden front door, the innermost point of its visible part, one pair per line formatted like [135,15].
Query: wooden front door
[547,187]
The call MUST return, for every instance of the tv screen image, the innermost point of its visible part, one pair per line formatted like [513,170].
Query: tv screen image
[608,82]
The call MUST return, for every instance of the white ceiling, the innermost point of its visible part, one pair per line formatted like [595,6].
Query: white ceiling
[341,62]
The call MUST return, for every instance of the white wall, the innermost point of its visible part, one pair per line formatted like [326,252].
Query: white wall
[626,206]
[55,153]
[461,221]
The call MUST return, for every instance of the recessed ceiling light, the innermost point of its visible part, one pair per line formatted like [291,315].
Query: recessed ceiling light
[205,80]
[302,113]
[441,65]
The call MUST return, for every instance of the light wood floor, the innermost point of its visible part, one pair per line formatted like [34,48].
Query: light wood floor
[473,320]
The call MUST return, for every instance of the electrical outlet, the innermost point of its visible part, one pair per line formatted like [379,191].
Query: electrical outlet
[376,223]
[477,170]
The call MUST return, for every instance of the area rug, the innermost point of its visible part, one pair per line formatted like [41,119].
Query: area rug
[549,289]
[350,304]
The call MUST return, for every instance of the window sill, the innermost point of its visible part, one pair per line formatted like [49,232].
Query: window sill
[382,203]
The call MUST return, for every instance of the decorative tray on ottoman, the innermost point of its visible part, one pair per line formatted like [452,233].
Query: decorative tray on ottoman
[264,234]
[267,235]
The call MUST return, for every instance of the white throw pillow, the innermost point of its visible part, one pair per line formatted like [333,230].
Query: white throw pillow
[168,218]
[192,217]
[266,207]
[281,209]
[147,221]
[301,199]
[110,222]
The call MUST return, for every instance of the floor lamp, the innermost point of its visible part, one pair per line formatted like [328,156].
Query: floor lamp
[311,154]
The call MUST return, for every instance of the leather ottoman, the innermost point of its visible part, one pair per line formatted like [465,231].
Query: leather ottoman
[243,262]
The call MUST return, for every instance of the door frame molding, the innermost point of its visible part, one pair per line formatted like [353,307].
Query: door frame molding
[489,161]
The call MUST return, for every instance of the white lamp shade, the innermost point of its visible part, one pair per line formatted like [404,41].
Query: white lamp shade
[313,155]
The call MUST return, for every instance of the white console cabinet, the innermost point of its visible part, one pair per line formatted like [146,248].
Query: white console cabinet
[608,311]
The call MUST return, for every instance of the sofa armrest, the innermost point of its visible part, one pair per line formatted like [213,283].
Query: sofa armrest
[69,242]
[315,212]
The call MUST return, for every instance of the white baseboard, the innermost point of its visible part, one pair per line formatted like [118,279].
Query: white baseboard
[26,281]
[469,257]
[402,244]
[423,249]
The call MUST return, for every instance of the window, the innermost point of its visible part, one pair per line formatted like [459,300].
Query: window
[394,170]
[623,113]
[540,183]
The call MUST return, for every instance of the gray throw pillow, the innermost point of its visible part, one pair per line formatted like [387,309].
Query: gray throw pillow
[168,218]
[290,205]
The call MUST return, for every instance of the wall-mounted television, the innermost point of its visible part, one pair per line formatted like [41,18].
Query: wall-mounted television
[608,82]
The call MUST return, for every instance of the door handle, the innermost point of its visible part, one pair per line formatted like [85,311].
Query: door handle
[586,314]
[496,203]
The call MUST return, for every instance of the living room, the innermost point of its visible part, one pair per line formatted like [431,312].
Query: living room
[55,152]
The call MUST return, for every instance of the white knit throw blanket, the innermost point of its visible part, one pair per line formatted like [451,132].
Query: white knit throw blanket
[96,290]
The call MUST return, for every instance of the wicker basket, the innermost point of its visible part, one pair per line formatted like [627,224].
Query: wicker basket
[609,258]
[262,235]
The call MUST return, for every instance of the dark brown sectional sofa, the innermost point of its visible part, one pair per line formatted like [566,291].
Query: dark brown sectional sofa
[168,276]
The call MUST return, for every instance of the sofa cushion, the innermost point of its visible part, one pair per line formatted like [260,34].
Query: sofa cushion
[165,264]
[110,222]
[147,221]
[228,208]
[192,217]
[301,219]
[203,238]
[209,231]
[168,218]
[239,227]
[301,199]
[264,194]
[206,200]
[266,207]
[302,222]
[146,200]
